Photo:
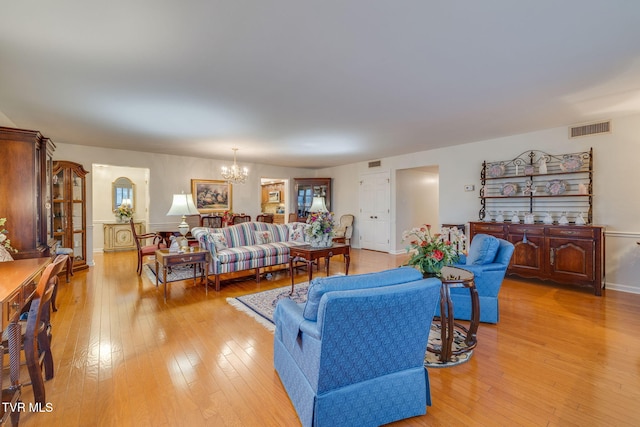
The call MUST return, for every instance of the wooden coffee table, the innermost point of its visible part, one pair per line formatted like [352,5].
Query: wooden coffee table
[195,256]
[309,254]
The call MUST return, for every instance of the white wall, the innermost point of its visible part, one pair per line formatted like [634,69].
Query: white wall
[168,175]
[616,176]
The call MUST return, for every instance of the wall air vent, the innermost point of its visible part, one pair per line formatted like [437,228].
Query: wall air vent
[375,164]
[589,129]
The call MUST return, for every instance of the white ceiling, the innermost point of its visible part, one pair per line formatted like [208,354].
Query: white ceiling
[313,83]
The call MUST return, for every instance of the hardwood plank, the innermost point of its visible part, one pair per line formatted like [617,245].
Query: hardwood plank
[560,356]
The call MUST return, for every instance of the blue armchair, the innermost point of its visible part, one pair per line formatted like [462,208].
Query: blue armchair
[488,260]
[353,354]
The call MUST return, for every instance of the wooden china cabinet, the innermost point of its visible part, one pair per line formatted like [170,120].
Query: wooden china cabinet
[25,189]
[70,210]
[308,188]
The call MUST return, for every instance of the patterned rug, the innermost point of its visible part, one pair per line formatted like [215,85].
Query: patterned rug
[177,273]
[261,306]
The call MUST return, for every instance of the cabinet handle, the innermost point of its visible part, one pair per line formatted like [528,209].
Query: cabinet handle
[552,256]
[15,305]
[567,232]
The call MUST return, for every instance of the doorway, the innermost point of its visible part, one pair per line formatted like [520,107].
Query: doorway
[103,177]
[274,199]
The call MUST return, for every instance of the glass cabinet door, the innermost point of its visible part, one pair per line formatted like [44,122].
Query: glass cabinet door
[69,209]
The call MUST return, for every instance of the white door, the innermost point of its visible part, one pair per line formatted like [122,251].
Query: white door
[375,208]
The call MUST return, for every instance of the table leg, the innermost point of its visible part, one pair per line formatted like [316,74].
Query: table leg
[291,261]
[157,272]
[471,339]
[194,273]
[310,268]
[164,279]
[446,323]
[347,260]
[326,264]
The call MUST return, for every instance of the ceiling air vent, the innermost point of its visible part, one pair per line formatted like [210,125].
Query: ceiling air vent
[375,164]
[590,129]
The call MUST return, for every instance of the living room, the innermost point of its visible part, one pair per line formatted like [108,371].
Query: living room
[342,91]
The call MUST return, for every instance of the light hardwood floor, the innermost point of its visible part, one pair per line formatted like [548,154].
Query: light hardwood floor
[560,356]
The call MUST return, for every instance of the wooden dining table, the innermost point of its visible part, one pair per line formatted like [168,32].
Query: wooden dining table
[18,280]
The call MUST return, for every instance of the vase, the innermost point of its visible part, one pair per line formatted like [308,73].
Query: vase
[323,241]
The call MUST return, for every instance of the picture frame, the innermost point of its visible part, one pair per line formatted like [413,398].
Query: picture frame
[211,195]
[274,197]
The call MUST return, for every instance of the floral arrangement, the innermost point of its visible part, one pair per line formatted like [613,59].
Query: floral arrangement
[124,211]
[227,217]
[4,241]
[429,253]
[320,224]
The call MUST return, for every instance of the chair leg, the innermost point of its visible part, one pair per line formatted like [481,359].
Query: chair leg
[35,373]
[55,293]
[139,270]
[44,345]
[70,266]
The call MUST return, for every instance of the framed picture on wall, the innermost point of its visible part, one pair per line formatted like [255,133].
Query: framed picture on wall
[211,195]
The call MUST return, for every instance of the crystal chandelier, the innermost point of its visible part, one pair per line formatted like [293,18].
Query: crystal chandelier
[234,174]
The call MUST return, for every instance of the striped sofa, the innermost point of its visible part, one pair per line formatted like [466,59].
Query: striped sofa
[248,245]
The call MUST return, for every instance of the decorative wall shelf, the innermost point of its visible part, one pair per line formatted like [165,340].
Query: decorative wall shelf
[539,184]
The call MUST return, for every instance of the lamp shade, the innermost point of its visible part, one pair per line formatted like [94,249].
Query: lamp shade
[318,205]
[183,205]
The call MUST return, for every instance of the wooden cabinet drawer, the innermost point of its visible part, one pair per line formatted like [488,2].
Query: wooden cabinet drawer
[13,306]
[526,228]
[586,232]
[185,258]
[488,228]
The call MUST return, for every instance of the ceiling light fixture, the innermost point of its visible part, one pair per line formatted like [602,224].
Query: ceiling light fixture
[235,175]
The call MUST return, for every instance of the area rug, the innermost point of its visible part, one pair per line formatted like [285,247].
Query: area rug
[178,272]
[261,306]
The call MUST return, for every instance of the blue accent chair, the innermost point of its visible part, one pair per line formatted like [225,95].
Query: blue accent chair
[488,258]
[353,354]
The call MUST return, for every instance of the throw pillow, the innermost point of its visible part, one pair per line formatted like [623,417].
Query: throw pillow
[263,237]
[483,249]
[218,240]
[296,232]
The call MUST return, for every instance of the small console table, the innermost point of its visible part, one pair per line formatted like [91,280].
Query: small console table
[195,256]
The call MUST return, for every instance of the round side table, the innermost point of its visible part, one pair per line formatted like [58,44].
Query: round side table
[456,277]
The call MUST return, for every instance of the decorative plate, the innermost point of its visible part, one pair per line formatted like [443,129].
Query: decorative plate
[509,189]
[496,170]
[571,163]
[556,187]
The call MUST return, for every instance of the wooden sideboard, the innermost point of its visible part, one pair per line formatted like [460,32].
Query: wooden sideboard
[569,254]
[118,236]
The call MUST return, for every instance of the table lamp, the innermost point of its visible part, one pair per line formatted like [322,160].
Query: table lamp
[318,205]
[183,205]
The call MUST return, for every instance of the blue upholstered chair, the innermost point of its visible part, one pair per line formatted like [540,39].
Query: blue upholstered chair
[488,258]
[353,354]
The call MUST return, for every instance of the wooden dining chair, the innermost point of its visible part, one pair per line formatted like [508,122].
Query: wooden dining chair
[144,249]
[36,332]
[237,219]
[211,221]
[265,218]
